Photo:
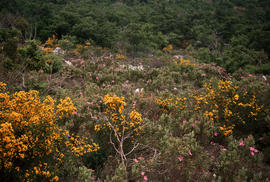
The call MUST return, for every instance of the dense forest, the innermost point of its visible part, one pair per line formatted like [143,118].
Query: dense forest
[134,90]
[233,33]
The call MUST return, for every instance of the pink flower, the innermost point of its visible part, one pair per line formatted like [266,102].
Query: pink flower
[193,125]
[203,74]
[180,158]
[140,158]
[143,167]
[135,160]
[74,112]
[142,173]
[79,115]
[203,171]
[212,143]
[189,152]
[145,178]
[252,149]
[171,134]
[81,93]
[241,143]
[184,122]
[261,138]
[96,78]
[196,121]
[252,153]
[249,75]
[215,133]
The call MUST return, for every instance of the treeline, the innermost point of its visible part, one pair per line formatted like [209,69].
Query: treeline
[233,33]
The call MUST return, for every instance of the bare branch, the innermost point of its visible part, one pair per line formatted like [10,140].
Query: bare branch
[115,132]
[114,144]
[133,148]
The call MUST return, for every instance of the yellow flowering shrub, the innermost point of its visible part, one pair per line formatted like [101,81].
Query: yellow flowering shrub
[118,121]
[120,56]
[50,44]
[2,86]
[30,137]
[123,127]
[228,105]
[171,104]
[47,49]
[168,48]
[81,48]
[184,62]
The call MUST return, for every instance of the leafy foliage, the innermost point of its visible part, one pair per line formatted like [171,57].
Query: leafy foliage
[170,90]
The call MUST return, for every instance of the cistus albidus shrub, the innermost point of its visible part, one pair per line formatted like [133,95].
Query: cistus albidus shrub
[32,145]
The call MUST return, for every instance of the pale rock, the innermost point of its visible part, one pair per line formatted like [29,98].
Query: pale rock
[58,51]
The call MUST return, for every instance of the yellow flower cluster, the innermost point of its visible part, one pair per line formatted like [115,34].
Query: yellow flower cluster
[80,48]
[47,49]
[168,48]
[176,104]
[228,130]
[65,107]
[79,147]
[50,44]
[41,169]
[184,62]
[29,132]
[114,104]
[227,105]
[2,86]
[118,120]
[120,56]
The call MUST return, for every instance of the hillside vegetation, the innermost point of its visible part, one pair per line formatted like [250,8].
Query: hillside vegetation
[134,90]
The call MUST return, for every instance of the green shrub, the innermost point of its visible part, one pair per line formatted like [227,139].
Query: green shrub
[68,43]
[85,175]
[10,48]
[8,64]
[53,63]
[32,55]
[239,161]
